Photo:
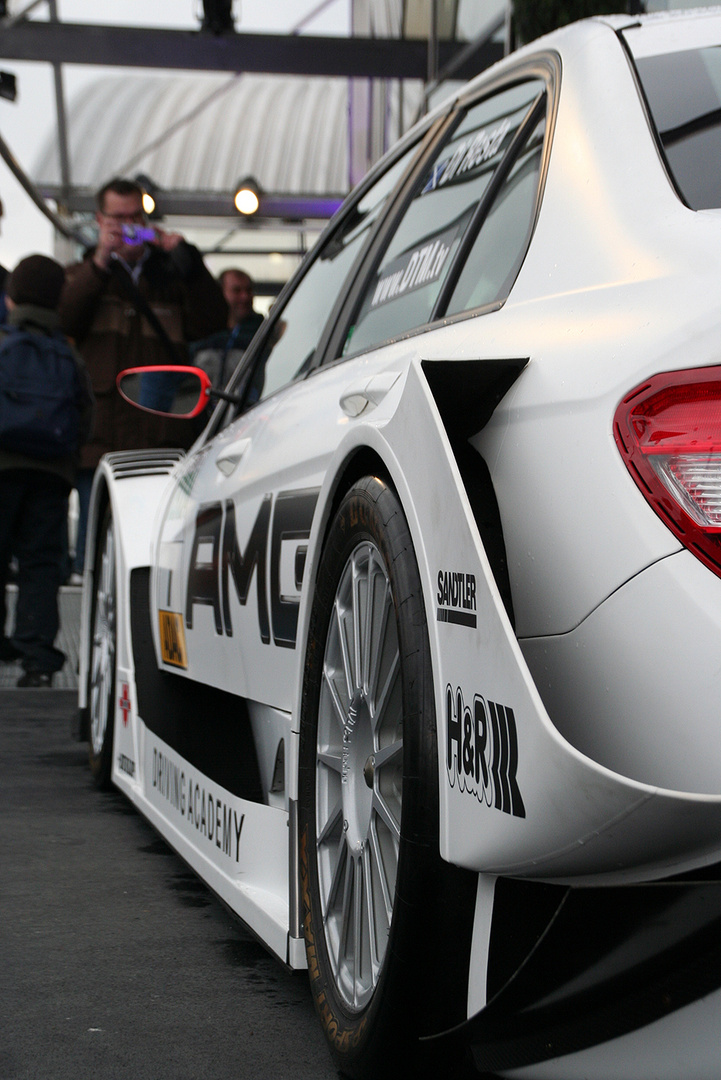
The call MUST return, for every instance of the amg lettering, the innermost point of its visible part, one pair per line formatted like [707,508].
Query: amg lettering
[482,751]
[216,558]
[241,566]
[203,572]
[292,519]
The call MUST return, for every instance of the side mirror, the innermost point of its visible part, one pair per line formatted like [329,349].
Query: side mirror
[166,390]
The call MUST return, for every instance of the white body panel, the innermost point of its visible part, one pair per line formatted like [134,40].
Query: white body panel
[624,696]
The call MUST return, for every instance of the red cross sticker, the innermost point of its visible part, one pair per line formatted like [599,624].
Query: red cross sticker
[124,704]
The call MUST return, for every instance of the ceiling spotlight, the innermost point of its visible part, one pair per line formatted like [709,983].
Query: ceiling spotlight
[217,16]
[247,197]
[150,190]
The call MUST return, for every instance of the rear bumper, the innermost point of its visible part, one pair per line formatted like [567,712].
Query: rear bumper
[637,685]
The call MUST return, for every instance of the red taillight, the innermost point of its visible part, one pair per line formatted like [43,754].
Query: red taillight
[669,433]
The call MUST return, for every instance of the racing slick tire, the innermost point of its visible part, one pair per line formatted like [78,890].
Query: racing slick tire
[387,923]
[101,676]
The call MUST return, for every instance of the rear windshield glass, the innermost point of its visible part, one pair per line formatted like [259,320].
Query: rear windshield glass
[684,94]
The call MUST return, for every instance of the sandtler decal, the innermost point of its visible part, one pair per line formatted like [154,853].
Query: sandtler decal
[456,598]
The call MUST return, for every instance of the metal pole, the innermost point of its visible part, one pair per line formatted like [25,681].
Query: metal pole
[310,16]
[508,44]
[61,116]
[433,43]
[27,184]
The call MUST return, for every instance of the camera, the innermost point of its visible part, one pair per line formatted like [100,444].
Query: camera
[137,234]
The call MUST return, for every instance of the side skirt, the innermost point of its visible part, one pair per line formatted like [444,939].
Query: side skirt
[184,755]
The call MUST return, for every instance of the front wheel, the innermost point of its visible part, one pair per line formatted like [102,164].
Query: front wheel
[102,657]
[387,923]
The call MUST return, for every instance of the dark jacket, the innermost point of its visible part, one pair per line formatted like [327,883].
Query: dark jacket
[38,320]
[220,354]
[98,313]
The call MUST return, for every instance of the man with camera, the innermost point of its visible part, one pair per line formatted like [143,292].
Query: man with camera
[104,308]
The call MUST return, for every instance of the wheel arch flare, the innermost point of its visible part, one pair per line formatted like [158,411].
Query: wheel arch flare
[515,797]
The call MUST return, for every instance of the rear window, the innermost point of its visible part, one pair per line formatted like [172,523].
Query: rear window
[683,90]
[442,226]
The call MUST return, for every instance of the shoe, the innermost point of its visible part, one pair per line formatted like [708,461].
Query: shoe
[8,652]
[36,679]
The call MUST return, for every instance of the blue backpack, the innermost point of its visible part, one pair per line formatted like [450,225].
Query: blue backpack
[40,395]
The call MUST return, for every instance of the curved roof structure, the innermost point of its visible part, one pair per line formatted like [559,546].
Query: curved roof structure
[205,132]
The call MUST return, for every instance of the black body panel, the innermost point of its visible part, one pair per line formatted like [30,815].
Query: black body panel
[209,728]
[570,968]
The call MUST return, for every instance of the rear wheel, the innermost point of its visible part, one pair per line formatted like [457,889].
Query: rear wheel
[102,656]
[387,923]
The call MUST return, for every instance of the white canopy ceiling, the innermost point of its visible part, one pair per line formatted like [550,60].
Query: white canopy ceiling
[205,132]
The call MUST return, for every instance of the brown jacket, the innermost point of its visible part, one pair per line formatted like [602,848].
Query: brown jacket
[97,312]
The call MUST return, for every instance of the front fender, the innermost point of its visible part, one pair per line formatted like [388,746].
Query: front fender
[132,484]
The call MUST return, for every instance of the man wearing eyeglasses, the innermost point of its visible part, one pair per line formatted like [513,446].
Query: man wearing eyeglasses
[101,309]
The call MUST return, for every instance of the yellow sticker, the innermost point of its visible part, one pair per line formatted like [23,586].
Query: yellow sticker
[172,639]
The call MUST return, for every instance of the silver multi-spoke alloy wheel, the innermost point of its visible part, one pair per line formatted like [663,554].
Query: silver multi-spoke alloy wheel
[359,771]
[102,656]
[385,920]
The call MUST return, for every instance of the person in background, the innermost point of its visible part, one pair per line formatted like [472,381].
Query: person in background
[3,281]
[220,354]
[3,296]
[99,311]
[239,291]
[38,459]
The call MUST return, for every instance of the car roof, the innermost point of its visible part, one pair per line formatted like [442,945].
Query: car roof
[671,31]
[659,31]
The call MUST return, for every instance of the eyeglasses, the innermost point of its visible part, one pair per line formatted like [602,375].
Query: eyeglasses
[132,219]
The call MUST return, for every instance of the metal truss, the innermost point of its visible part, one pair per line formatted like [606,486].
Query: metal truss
[362,57]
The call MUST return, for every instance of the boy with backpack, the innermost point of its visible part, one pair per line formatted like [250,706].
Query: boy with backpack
[46,407]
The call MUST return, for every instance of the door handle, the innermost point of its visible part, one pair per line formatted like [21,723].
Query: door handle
[367,393]
[228,458]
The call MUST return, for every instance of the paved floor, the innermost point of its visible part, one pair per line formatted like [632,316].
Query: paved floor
[116,960]
[67,640]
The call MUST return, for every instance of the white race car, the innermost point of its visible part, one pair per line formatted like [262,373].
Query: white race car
[415,657]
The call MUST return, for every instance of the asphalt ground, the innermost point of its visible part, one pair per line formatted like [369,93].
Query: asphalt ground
[115,960]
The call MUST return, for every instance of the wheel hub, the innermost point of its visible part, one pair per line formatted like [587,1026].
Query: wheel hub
[369,771]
